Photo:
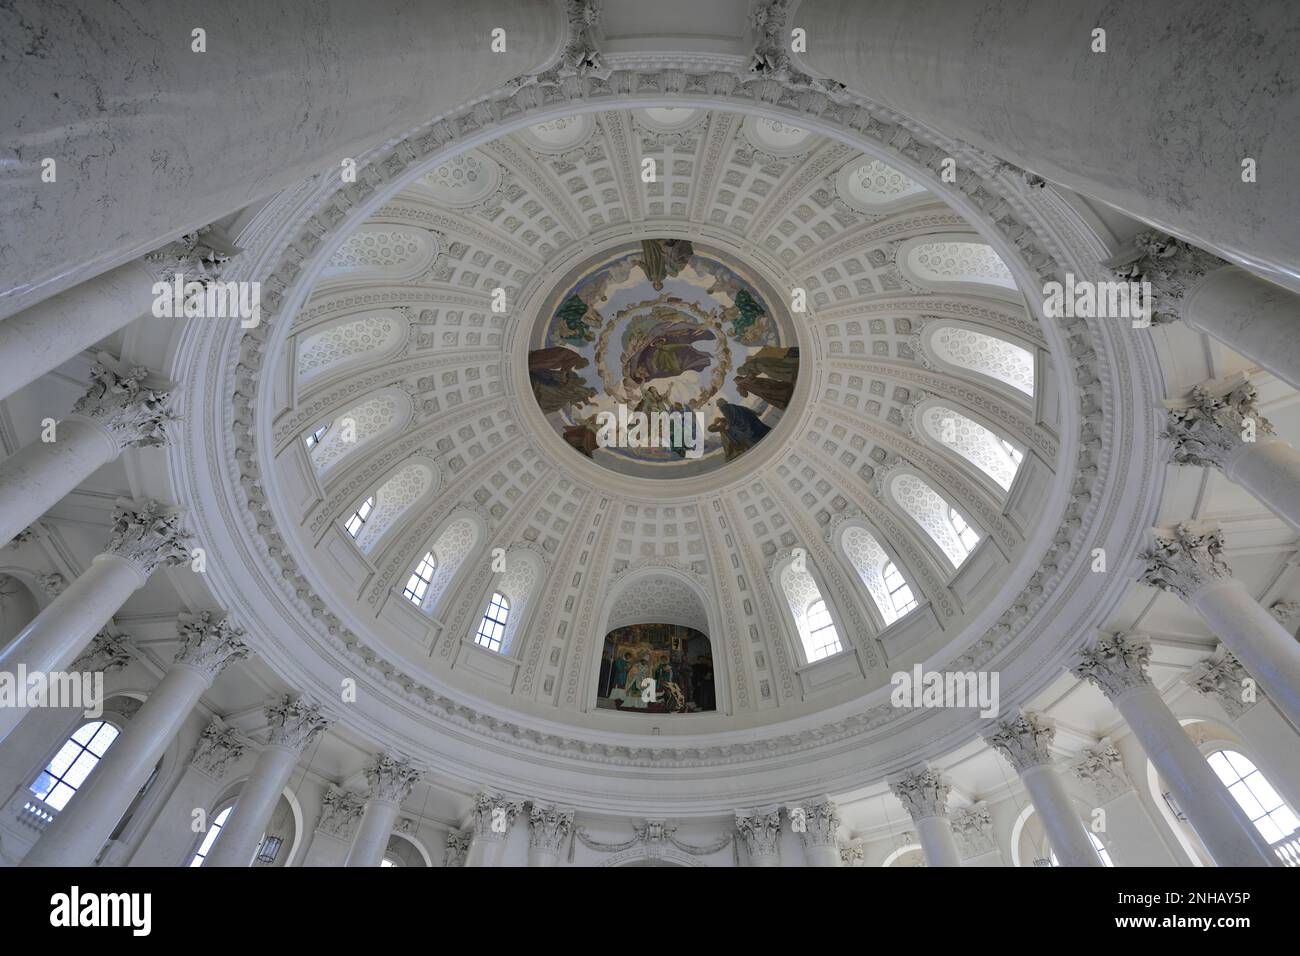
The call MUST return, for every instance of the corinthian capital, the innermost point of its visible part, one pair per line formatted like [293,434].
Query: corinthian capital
[219,746]
[147,536]
[1115,663]
[549,827]
[972,828]
[822,820]
[923,792]
[458,842]
[759,830]
[340,811]
[1170,265]
[1217,420]
[119,402]
[209,643]
[295,723]
[1224,679]
[1185,558]
[1025,740]
[198,256]
[105,652]
[391,779]
[1103,768]
[493,815]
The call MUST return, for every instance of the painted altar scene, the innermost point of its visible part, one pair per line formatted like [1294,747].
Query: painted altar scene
[662,327]
[656,669]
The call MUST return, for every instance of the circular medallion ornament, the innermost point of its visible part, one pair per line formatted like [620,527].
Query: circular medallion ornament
[663,359]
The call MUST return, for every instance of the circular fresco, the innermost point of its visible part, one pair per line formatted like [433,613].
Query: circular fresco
[662,359]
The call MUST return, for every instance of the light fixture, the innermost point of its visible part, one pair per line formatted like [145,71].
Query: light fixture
[269,849]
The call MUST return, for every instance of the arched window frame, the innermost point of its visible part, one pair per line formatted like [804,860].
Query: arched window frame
[799,599]
[1267,809]
[359,517]
[417,585]
[947,560]
[450,565]
[998,384]
[208,839]
[63,771]
[491,633]
[979,439]
[900,592]
[873,557]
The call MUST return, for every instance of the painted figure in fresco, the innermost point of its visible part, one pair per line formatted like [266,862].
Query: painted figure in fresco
[639,671]
[663,258]
[555,383]
[582,435]
[779,363]
[618,672]
[606,668]
[773,391]
[652,400]
[664,672]
[570,324]
[661,345]
[739,428]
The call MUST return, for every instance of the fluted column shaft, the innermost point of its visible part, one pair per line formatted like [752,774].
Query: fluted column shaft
[80,831]
[1116,664]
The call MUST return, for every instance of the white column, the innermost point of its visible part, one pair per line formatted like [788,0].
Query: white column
[924,794]
[820,832]
[361,87]
[1117,665]
[1187,560]
[1023,82]
[117,412]
[294,724]
[143,538]
[490,822]
[972,829]
[548,830]
[44,336]
[760,831]
[1272,740]
[1026,741]
[78,833]
[390,779]
[1218,424]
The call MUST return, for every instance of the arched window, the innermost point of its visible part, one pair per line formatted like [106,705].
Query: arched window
[389,861]
[965,534]
[941,521]
[493,626]
[69,768]
[881,577]
[418,583]
[900,595]
[986,354]
[354,524]
[994,456]
[1254,794]
[823,640]
[210,837]
[314,438]
[453,545]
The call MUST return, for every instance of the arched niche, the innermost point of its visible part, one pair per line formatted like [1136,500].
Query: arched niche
[18,607]
[363,337]
[851,540]
[661,595]
[795,578]
[957,262]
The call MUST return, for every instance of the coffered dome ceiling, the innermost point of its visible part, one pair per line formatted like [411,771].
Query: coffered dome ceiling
[891,485]
[913,448]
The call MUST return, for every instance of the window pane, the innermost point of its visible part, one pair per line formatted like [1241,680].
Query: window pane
[103,738]
[43,785]
[60,796]
[80,770]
